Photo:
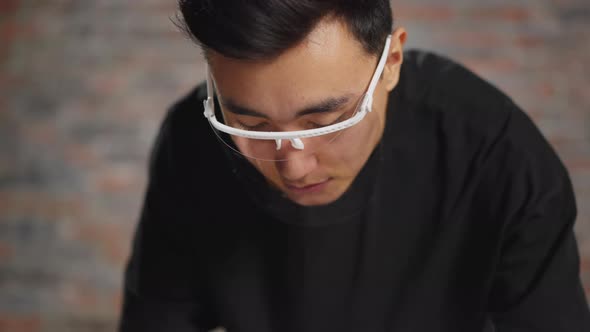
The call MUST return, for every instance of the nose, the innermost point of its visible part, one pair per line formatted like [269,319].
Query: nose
[296,164]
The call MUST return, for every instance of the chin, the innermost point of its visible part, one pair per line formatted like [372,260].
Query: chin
[312,201]
[315,199]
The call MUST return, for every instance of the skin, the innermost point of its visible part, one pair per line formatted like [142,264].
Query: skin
[329,63]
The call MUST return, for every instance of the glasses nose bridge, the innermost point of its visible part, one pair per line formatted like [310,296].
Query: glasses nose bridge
[288,152]
[296,143]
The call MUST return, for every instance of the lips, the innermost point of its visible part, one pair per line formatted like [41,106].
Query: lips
[309,188]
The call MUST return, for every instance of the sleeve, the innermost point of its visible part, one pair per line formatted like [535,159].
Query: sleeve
[162,290]
[536,285]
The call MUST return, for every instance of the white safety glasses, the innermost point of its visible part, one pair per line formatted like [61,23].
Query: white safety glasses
[260,138]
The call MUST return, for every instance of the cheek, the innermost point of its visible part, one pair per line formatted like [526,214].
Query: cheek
[349,151]
[267,168]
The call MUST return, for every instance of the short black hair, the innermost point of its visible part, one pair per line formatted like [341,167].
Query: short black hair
[263,29]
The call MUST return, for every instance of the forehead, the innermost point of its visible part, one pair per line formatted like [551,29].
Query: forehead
[329,62]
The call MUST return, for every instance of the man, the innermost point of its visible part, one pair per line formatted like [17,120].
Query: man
[324,180]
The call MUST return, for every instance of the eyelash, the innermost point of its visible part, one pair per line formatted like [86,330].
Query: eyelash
[312,124]
[256,127]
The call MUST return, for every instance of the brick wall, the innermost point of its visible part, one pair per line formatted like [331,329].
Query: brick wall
[85,83]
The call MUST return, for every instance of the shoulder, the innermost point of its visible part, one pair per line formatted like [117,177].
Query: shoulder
[449,110]
[439,80]
[187,163]
[462,111]
[455,95]
[186,113]
[480,134]
[184,135]
[471,108]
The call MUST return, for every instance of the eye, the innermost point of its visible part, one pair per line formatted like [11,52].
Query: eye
[314,125]
[254,127]
[318,124]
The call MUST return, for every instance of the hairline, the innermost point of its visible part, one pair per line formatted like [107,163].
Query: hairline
[325,19]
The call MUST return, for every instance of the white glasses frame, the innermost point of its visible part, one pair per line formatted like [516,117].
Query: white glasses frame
[295,136]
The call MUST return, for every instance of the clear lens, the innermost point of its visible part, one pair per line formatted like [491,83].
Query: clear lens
[285,149]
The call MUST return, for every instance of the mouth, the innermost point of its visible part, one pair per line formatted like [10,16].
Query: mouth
[308,189]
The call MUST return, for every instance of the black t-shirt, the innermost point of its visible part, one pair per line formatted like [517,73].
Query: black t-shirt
[461,220]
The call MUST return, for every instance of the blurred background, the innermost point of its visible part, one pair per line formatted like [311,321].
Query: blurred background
[84,85]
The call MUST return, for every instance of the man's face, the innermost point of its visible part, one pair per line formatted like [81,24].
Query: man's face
[330,64]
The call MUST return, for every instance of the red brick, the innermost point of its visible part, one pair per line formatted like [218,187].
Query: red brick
[117,252]
[508,13]
[107,82]
[117,300]
[11,31]
[81,296]
[578,164]
[8,204]
[41,133]
[4,55]
[111,240]
[492,65]
[528,41]
[557,141]
[8,81]
[424,12]
[6,252]
[545,89]
[40,204]
[19,323]
[8,7]
[81,156]
[473,39]
[119,181]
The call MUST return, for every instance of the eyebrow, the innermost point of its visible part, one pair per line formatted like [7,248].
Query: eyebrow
[325,106]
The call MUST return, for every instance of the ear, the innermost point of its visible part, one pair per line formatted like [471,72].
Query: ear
[394,59]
